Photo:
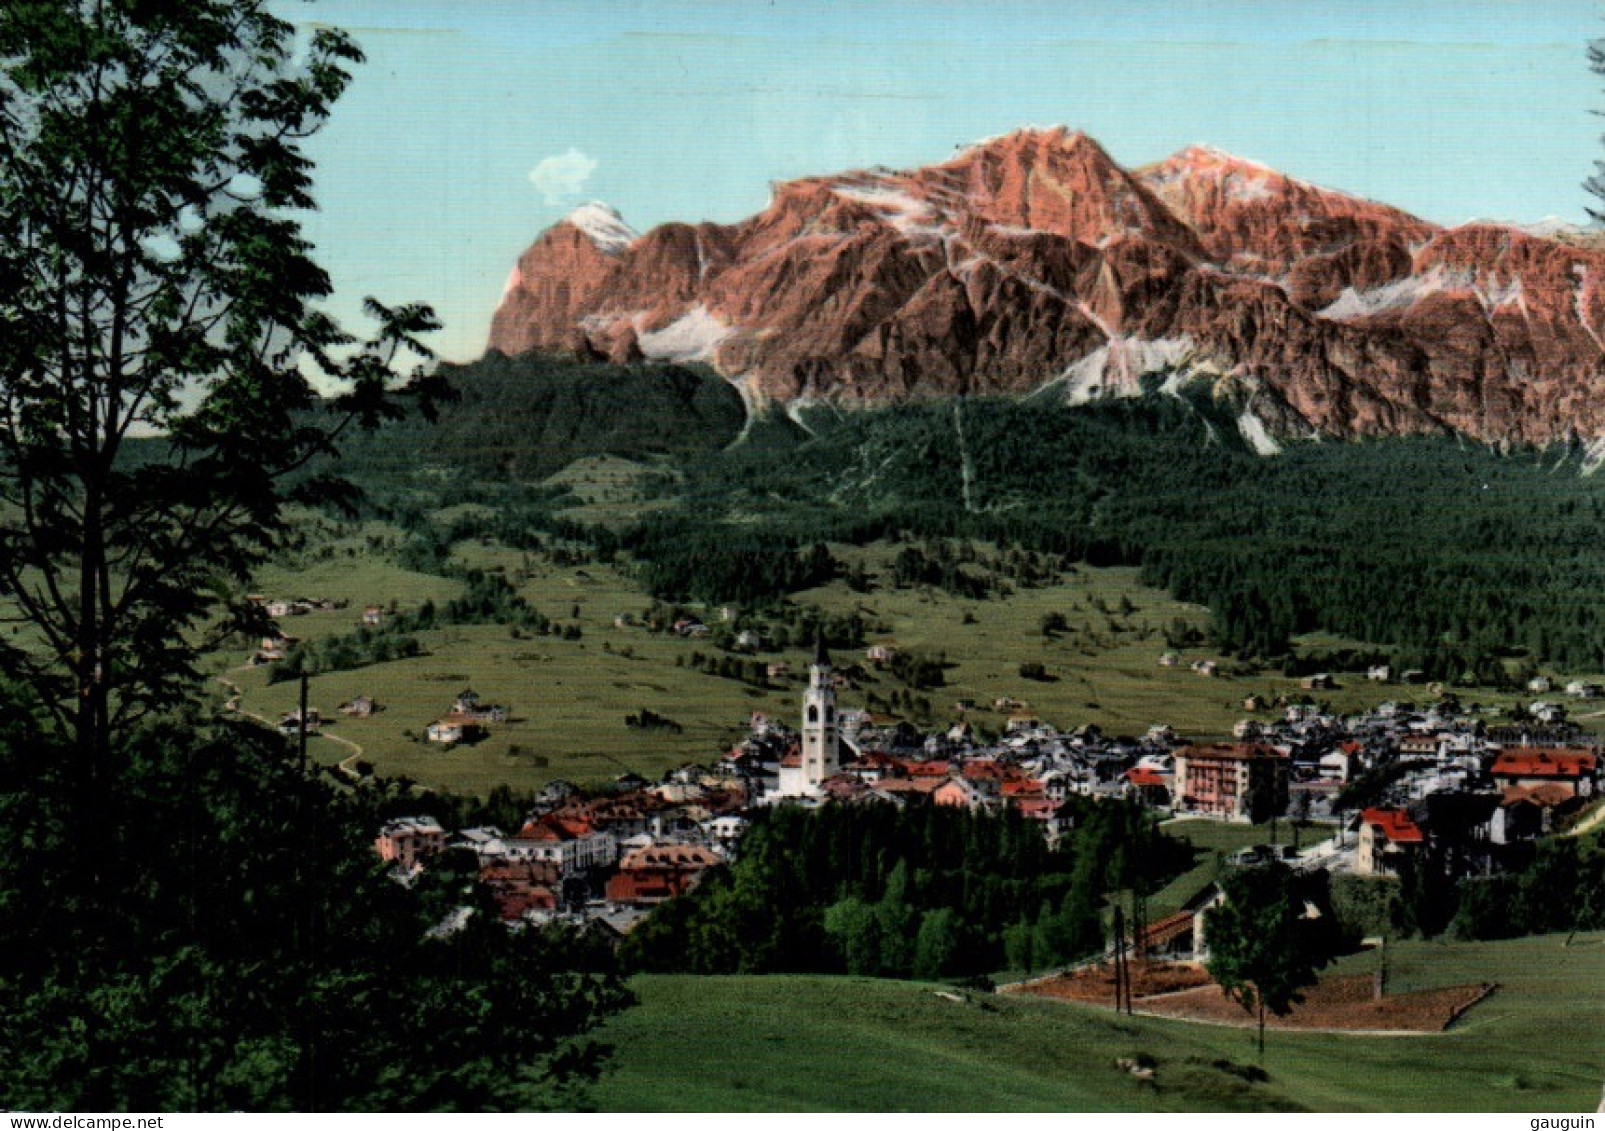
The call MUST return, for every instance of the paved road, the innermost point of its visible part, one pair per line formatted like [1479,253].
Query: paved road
[1328,854]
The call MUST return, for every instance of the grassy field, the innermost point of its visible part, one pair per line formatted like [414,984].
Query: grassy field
[610,490]
[569,698]
[812,1043]
[1104,669]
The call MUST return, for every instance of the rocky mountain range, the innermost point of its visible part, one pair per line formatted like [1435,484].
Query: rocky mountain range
[1033,262]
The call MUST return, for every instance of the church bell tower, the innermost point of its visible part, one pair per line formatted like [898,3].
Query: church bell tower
[821,756]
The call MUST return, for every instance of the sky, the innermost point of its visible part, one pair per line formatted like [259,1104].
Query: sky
[475,125]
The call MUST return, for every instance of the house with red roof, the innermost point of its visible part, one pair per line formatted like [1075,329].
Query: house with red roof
[565,839]
[903,790]
[1149,785]
[1388,837]
[649,876]
[1055,817]
[1529,811]
[1526,766]
[519,888]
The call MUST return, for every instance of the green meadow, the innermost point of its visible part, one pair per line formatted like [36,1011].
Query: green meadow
[816,1043]
[569,698]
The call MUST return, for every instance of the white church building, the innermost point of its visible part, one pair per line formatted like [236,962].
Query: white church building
[803,773]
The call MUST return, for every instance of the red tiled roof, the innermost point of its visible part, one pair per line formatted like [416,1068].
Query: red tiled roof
[1143,776]
[1534,762]
[555,827]
[1021,788]
[1162,932]
[513,903]
[927,769]
[677,856]
[1395,825]
[1549,795]
[908,785]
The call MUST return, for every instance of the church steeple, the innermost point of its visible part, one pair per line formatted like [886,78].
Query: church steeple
[820,744]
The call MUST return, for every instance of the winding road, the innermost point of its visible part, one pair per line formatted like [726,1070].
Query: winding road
[347,766]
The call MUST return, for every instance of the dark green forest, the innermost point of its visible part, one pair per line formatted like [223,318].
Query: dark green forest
[927,892]
[528,417]
[1454,555]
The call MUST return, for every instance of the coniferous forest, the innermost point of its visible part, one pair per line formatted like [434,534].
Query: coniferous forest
[1456,555]
[925,892]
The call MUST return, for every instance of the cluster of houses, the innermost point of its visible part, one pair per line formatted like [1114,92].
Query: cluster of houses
[1447,786]
[604,861]
[1473,794]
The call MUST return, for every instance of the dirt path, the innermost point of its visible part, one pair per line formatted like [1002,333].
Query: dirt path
[348,765]
[231,706]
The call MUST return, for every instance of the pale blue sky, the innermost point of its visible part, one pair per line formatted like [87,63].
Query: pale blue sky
[1451,109]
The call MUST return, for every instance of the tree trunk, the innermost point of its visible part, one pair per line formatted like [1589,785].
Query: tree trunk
[92,717]
[1262,1030]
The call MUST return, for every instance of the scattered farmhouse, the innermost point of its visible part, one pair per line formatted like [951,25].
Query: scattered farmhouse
[361,707]
[290,724]
[454,729]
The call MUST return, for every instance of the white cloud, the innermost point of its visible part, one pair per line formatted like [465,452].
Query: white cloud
[563,175]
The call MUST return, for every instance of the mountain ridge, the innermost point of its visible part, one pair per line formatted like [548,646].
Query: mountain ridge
[1034,259]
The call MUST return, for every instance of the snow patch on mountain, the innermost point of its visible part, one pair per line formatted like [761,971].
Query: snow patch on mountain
[1594,456]
[694,336]
[908,214]
[1115,368]
[1253,429]
[1247,190]
[604,226]
[1398,295]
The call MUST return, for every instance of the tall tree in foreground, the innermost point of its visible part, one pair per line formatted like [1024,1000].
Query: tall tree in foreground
[1596,183]
[251,953]
[154,280]
[1265,945]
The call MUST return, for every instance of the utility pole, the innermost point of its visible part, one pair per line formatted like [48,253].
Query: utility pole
[301,727]
[1120,954]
